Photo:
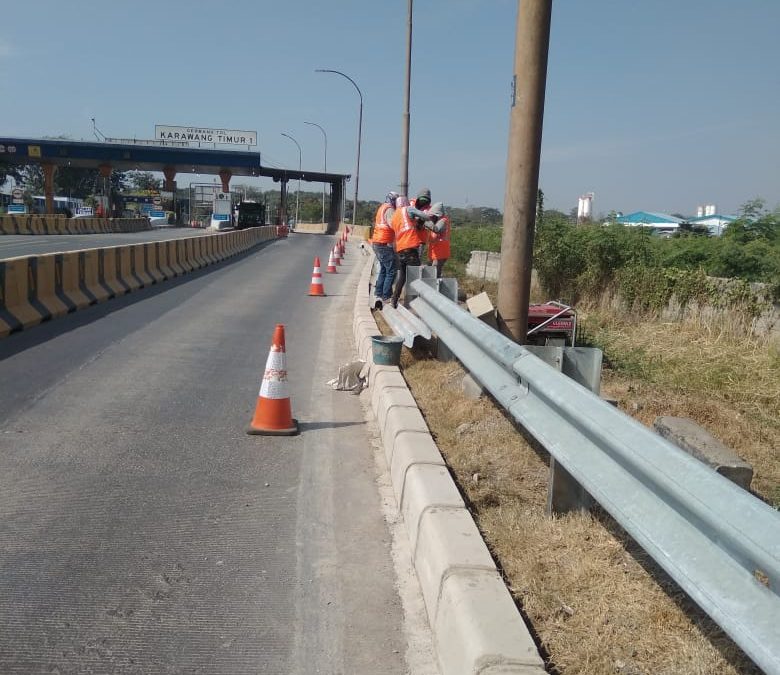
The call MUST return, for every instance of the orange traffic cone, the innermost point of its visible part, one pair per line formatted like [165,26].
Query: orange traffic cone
[316,287]
[336,255]
[342,248]
[273,415]
[331,264]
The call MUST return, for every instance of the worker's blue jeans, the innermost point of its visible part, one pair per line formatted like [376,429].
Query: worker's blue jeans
[384,280]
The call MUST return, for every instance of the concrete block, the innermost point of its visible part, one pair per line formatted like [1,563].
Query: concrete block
[701,444]
[478,629]
[377,395]
[384,376]
[365,313]
[481,307]
[471,388]
[425,487]
[447,541]
[411,449]
[365,349]
[367,326]
[388,398]
[398,420]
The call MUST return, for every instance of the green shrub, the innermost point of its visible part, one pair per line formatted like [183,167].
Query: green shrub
[575,261]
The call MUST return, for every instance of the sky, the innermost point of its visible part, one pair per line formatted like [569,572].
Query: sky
[655,105]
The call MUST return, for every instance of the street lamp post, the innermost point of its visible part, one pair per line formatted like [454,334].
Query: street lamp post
[325,136]
[360,135]
[298,191]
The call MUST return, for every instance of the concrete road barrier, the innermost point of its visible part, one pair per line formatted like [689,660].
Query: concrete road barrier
[16,312]
[48,285]
[59,224]
[476,626]
[72,286]
[34,289]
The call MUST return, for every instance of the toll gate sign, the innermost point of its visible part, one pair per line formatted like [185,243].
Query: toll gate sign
[200,135]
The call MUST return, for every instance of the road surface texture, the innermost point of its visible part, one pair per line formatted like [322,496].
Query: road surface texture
[141,529]
[14,245]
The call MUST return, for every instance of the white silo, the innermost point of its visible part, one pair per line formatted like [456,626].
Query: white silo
[585,207]
[699,211]
[712,209]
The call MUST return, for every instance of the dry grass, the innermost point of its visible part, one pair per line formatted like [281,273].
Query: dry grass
[593,599]
[729,385]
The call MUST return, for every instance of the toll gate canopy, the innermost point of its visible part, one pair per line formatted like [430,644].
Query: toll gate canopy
[170,158]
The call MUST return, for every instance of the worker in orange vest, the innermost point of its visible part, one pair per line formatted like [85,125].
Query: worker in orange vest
[423,200]
[439,238]
[409,224]
[382,242]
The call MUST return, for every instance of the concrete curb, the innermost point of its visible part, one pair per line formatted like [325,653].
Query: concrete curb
[476,627]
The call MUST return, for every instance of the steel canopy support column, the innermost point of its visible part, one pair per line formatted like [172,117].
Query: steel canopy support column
[522,170]
[336,212]
[225,175]
[105,174]
[170,178]
[48,186]
[170,186]
[282,216]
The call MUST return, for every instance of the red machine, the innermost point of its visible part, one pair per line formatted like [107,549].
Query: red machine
[551,323]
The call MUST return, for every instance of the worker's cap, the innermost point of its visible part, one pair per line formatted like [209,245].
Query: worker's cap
[437,209]
[391,197]
[423,197]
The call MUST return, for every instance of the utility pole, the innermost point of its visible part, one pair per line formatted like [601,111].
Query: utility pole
[404,185]
[522,170]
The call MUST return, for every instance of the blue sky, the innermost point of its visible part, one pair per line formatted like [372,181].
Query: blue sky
[658,105]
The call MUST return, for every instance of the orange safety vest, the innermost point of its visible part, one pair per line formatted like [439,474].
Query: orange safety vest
[383,233]
[439,244]
[406,234]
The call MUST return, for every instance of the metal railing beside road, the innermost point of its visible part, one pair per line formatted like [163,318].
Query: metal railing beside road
[719,543]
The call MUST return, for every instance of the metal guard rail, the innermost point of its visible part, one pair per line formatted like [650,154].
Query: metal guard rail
[717,541]
[405,324]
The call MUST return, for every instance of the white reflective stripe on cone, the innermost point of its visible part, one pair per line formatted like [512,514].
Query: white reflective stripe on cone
[274,385]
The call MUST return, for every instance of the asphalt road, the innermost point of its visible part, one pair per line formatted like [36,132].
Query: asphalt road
[142,531]
[14,245]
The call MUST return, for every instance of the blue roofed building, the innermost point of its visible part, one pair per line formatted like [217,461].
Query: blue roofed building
[662,222]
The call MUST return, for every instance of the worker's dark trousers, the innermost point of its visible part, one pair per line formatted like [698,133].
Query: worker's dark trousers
[439,265]
[409,256]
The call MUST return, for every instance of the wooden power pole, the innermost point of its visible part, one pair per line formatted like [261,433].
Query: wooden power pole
[522,169]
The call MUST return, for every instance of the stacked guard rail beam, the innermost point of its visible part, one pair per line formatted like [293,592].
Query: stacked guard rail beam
[718,542]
